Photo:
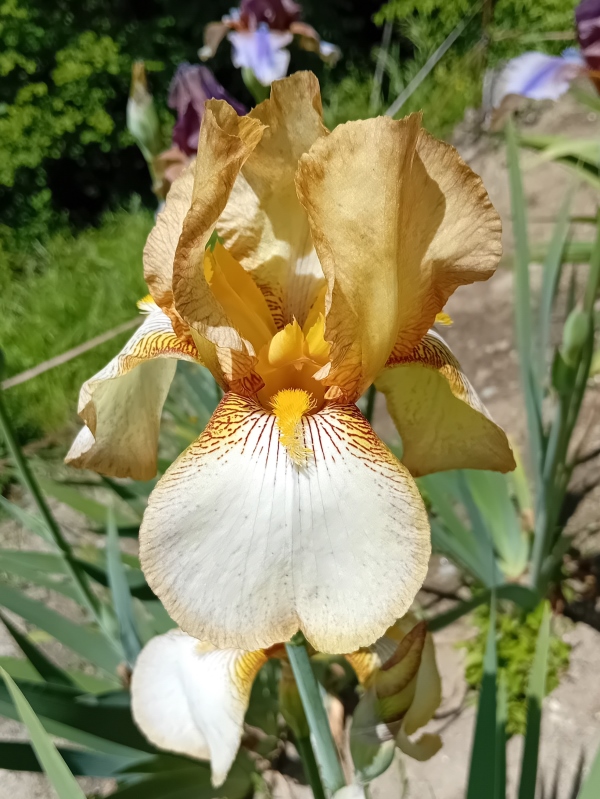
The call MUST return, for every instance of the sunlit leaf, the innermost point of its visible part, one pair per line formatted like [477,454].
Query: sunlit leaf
[54,766]
[535,695]
[483,770]
[92,645]
[120,593]
[43,665]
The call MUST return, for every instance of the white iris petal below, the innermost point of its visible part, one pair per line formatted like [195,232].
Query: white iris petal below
[244,547]
[190,698]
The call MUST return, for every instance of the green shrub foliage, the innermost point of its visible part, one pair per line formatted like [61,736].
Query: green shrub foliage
[65,71]
[516,639]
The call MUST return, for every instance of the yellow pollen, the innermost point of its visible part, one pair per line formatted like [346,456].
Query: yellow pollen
[443,319]
[145,302]
[289,406]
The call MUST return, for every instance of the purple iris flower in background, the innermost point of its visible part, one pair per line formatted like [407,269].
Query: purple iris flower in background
[262,51]
[539,76]
[259,30]
[545,77]
[587,18]
[191,87]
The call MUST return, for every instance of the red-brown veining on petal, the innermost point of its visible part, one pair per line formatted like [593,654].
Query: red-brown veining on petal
[432,352]
[155,345]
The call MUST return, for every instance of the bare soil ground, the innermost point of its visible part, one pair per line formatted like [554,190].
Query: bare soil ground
[482,338]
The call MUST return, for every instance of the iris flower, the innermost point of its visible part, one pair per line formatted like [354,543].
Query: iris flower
[190,698]
[539,76]
[191,87]
[338,251]
[259,30]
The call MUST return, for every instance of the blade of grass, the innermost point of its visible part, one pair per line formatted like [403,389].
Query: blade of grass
[535,696]
[490,492]
[94,510]
[119,587]
[91,645]
[28,480]
[56,769]
[523,306]
[501,716]
[35,524]
[21,757]
[552,268]
[451,536]
[591,785]
[44,667]
[483,769]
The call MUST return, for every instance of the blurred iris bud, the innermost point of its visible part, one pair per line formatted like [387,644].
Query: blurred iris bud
[142,119]
[587,19]
[191,87]
[575,333]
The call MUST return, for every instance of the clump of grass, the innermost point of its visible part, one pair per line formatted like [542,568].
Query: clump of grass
[58,295]
[517,636]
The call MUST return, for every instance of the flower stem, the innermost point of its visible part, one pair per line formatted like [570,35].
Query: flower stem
[311,770]
[325,748]
[371,395]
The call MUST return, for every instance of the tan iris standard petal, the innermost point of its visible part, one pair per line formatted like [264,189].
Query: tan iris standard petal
[122,404]
[263,224]
[452,213]
[441,420]
[190,698]
[244,547]
[399,222]
[354,185]
[159,252]
[226,141]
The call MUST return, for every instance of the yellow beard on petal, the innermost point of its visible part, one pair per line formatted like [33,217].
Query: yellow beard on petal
[289,406]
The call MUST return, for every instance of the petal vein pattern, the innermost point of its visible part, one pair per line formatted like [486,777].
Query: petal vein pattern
[244,547]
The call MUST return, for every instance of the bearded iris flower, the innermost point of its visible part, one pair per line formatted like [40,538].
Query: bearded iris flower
[190,698]
[338,251]
[259,30]
[539,76]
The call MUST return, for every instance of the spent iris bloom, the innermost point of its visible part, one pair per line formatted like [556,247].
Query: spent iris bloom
[544,77]
[259,30]
[190,698]
[338,251]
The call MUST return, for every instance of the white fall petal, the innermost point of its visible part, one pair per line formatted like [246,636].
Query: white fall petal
[244,547]
[190,698]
